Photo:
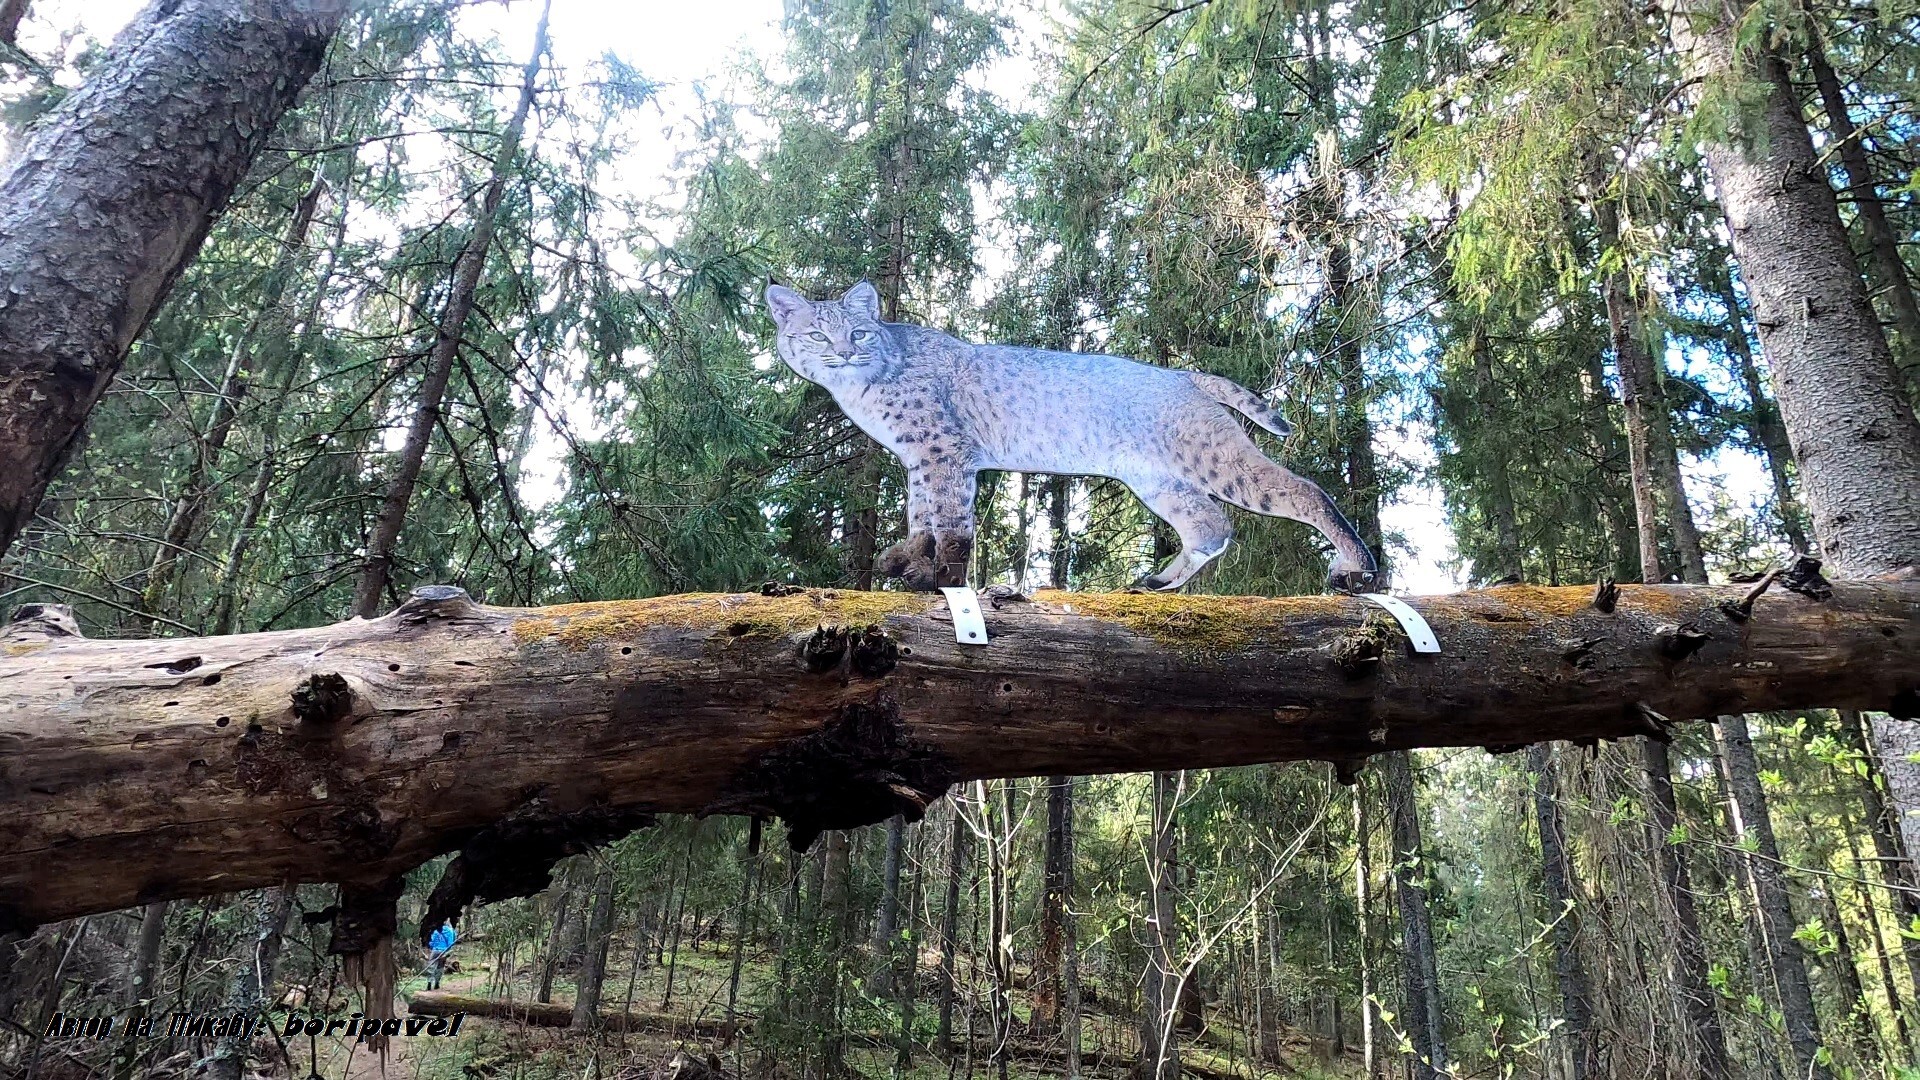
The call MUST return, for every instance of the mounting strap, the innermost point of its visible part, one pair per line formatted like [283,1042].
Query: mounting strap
[1416,627]
[969,626]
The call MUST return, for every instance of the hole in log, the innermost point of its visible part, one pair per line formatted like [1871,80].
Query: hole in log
[178,667]
[1006,688]
[323,699]
[169,704]
[211,680]
[905,651]
[393,667]
[222,721]
[463,663]
[626,650]
[515,857]
[859,769]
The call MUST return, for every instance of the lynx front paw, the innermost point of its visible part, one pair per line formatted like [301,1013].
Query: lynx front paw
[911,562]
[1357,581]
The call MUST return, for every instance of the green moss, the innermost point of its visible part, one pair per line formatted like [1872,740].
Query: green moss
[578,626]
[1205,623]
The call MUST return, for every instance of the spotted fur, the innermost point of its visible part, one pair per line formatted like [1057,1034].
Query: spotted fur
[949,409]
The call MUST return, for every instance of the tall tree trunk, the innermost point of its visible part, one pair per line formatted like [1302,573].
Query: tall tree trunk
[593,971]
[1049,959]
[1883,247]
[1647,418]
[999,853]
[265,332]
[1883,956]
[743,922]
[226,603]
[1058,495]
[1893,865]
[96,225]
[1653,462]
[1754,828]
[146,953]
[1557,875]
[1419,963]
[1766,428]
[1159,1006]
[1506,529]
[1854,433]
[950,931]
[886,917]
[556,938]
[376,572]
[1363,907]
[250,993]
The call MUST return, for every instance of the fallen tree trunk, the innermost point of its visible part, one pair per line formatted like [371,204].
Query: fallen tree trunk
[553,1014]
[133,771]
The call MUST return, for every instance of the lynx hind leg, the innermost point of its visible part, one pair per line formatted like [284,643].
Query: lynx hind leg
[1253,482]
[1203,528]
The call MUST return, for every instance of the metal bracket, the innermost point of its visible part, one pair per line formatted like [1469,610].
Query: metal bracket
[969,626]
[1416,627]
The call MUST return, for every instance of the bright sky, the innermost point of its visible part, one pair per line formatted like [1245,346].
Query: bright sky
[691,49]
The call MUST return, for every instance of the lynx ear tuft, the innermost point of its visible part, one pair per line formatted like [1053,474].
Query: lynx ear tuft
[789,308]
[863,299]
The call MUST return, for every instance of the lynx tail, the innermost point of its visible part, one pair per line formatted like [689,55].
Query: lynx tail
[1241,400]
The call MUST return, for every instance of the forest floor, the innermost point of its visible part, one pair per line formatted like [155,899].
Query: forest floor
[490,1049]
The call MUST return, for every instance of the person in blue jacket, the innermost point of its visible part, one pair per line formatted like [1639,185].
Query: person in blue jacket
[438,946]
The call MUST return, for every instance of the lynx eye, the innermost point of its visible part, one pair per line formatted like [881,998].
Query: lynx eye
[817,336]
[863,335]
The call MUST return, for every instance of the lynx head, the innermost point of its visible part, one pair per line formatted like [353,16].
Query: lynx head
[833,342]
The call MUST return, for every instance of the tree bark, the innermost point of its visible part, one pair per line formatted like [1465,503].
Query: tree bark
[1049,960]
[1883,248]
[593,972]
[1557,875]
[1854,434]
[1363,909]
[1159,999]
[1754,825]
[138,771]
[376,572]
[110,198]
[950,933]
[1419,966]
[887,914]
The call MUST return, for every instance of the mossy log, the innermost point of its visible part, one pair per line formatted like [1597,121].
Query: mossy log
[133,771]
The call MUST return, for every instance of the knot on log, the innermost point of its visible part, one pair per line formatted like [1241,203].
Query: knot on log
[1677,642]
[869,650]
[1605,596]
[42,622]
[322,699]
[859,769]
[1358,653]
[443,602]
[516,856]
[1804,578]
